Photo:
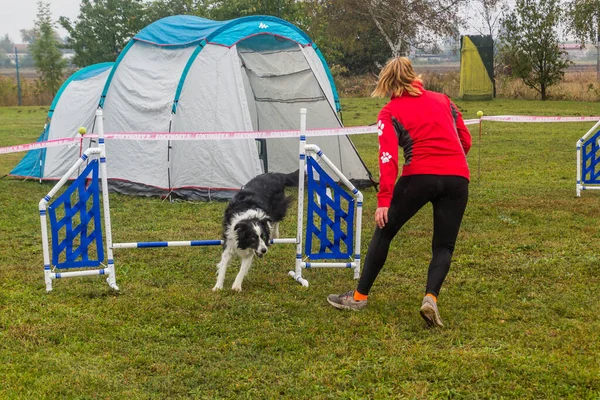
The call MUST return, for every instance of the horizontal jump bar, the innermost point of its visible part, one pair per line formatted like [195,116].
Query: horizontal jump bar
[88,272]
[329,265]
[188,243]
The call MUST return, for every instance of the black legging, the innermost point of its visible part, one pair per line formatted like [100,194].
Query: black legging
[448,195]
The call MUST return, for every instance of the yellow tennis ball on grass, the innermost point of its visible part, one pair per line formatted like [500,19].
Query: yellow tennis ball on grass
[480,113]
[82,130]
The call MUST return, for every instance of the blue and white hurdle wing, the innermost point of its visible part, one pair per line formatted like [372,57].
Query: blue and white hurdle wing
[333,207]
[338,212]
[588,161]
[76,227]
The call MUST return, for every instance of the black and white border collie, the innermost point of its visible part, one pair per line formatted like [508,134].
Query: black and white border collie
[251,220]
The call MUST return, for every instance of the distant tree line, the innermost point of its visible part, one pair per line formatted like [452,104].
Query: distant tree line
[355,36]
[359,35]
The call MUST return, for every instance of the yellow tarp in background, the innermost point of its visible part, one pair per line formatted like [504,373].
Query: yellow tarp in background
[475,80]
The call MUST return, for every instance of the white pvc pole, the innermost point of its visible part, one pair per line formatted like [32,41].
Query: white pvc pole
[357,235]
[329,265]
[583,187]
[315,149]
[189,243]
[297,274]
[579,183]
[112,282]
[592,129]
[88,272]
[284,241]
[64,179]
[45,249]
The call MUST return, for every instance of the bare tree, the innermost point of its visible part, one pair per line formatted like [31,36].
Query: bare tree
[490,13]
[411,23]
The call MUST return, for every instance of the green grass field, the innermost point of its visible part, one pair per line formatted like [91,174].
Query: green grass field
[520,304]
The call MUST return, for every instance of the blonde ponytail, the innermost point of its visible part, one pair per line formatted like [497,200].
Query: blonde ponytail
[396,77]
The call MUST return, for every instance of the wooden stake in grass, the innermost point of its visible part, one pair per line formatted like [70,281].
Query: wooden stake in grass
[479,114]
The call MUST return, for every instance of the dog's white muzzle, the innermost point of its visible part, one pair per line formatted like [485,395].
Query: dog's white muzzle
[262,249]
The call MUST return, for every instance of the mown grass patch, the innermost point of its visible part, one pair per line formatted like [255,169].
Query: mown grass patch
[520,303]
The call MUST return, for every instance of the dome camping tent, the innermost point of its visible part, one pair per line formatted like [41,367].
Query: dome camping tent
[191,74]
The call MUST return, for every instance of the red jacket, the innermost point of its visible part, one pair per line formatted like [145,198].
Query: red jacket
[432,133]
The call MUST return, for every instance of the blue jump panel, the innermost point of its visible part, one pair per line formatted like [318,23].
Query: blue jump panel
[590,168]
[330,235]
[75,241]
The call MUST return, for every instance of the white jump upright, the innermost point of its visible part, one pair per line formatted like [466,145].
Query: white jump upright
[49,272]
[588,161]
[77,241]
[297,273]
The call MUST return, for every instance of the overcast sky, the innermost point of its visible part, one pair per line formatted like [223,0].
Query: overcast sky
[21,14]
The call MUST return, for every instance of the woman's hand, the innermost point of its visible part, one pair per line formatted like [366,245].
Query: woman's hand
[381,216]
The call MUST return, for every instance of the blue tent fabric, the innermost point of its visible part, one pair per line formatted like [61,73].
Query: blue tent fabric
[179,30]
[91,71]
[187,30]
[29,166]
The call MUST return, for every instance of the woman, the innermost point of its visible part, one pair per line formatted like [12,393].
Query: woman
[435,141]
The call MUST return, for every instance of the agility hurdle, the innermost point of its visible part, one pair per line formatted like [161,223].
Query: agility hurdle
[336,238]
[588,161]
[318,200]
[64,255]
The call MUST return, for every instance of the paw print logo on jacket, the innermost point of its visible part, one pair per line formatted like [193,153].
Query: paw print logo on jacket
[380,126]
[385,157]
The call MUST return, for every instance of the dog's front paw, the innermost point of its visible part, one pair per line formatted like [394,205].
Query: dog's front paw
[237,288]
[217,288]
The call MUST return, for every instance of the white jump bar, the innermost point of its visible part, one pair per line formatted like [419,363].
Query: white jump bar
[188,243]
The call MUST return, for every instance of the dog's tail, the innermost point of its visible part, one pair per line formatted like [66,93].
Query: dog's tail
[291,179]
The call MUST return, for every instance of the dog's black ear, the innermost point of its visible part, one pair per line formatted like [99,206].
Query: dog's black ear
[265,227]
[244,234]
[240,227]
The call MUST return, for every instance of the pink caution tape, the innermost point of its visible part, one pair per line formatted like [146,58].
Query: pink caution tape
[527,118]
[37,145]
[355,130]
